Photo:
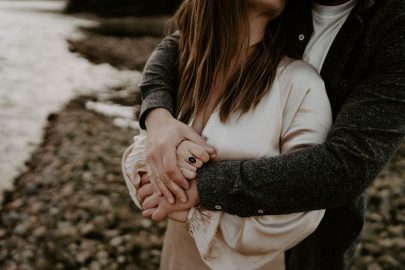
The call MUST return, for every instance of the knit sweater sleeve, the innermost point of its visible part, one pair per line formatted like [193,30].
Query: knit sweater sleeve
[159,83]
[367,132]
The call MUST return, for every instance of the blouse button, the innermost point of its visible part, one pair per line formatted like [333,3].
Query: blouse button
[260,211]
[218,207]
[301,37]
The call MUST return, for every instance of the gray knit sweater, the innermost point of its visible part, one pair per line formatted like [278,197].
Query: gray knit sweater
[364,73]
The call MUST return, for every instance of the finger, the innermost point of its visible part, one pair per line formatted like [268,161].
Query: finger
[197,162]
[160,185]
[199,152]
[145,191]
[152,173]
[159,214]
[184,155]
[184,164]
[191,135]
[151,202]
[165,190]
[188,173]
[148,212]
[144,179]
[178,192]
[172,171]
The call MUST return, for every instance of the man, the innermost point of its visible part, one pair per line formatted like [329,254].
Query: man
[359,49]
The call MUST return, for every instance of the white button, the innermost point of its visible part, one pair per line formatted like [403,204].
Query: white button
[301,37]
[218,207]
[260,211]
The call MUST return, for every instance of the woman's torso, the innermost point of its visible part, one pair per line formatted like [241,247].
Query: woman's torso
[254,135]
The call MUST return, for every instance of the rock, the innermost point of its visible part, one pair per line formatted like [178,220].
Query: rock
[83,256]
[87,229]
[374,266]
[95,265]
[39,232]
[42,264]
[21,229]
[116,241]
[14,205]
[121,259]
[389,262]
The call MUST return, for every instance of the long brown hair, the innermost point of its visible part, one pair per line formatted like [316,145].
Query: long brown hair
[212,34]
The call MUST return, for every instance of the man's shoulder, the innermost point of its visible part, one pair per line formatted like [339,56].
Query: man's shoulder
[389,10]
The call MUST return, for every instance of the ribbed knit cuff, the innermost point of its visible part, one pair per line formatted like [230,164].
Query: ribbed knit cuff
[158,99]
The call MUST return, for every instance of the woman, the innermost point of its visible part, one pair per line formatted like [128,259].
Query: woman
[249,101]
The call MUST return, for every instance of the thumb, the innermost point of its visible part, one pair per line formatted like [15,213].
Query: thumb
[159,214]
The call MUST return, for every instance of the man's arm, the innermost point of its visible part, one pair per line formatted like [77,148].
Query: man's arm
[367,132]
[159,83]
[159,90]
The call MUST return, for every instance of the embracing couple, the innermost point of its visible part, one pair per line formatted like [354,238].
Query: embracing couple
[264,122]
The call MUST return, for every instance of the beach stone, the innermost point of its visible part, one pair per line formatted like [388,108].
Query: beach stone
[40,231]
[374,266]
[116,241]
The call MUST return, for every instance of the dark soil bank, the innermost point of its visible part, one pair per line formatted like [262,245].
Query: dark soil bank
[121,52]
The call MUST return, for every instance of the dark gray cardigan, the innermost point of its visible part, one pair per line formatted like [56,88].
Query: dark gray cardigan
[364,73]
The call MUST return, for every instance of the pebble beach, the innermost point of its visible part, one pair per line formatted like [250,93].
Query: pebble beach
[69,208]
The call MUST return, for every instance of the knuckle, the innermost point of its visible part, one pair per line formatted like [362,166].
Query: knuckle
[177,192]
[164,178]
[170,171]
[157,180]
[199,152]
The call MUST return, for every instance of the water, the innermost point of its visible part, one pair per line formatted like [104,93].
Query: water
[38,75]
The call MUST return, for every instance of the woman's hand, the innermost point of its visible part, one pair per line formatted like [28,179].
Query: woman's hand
[190,157]
[165,133]
[158,208]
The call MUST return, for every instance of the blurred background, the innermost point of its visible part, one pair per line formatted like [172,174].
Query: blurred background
[69,103]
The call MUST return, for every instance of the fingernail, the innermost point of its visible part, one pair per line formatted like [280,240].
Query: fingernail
[171,200]
[210,149]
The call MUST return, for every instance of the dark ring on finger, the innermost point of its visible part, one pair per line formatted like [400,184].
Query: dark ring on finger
[192,160]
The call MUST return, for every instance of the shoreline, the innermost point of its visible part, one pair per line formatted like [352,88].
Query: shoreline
[71,210]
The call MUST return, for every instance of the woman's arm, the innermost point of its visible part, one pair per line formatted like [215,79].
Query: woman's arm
[225,240]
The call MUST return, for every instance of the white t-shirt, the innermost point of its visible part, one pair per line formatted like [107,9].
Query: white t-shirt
[327,21]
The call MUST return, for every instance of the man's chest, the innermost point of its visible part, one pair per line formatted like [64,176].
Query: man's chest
[341,58]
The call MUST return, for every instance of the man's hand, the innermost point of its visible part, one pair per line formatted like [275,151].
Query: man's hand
[158,208]
[165,133]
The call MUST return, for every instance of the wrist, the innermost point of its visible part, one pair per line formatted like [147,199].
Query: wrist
[156,116]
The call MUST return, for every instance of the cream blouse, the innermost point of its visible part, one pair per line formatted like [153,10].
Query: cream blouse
[293,115]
